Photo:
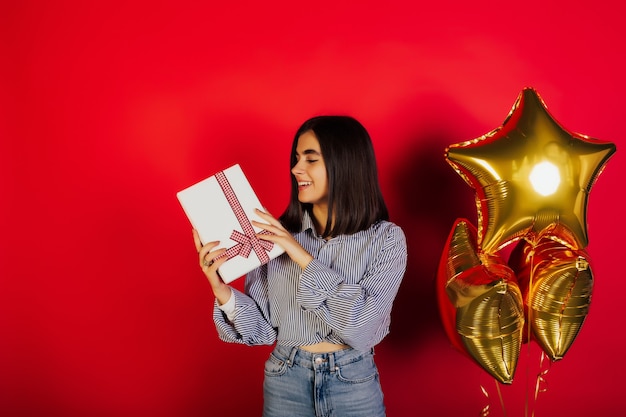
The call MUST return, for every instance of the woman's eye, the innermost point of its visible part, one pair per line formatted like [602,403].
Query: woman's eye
[310,161]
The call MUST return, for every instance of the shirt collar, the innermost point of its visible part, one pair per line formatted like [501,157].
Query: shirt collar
[307,222]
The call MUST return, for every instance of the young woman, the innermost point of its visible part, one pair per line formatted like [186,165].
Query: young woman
[327,301]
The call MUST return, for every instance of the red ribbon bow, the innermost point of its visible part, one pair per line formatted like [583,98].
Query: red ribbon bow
[247,241]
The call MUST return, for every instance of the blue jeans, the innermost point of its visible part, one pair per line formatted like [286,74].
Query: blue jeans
[344,383]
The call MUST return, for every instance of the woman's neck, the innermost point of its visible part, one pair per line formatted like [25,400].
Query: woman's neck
[320,218]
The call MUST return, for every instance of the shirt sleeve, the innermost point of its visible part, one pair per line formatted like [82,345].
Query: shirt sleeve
[229,306]
[359,313]
[249,322]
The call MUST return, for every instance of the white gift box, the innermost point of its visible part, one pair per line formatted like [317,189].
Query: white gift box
[220,209]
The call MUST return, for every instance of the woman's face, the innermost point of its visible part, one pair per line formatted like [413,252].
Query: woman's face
[310,171]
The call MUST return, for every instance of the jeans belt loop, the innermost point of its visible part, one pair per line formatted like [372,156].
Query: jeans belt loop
[292,356]
[331,361]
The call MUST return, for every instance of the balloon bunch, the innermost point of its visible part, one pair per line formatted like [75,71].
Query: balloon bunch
[532,180]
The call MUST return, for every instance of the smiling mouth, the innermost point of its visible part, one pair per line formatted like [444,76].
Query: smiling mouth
[303,184]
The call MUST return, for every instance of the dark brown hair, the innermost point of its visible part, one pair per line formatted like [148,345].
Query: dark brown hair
[354,195]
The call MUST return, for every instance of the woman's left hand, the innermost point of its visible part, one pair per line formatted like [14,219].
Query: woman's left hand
[281,236]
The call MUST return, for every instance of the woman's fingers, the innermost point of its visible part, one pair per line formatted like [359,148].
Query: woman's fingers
[196,240]
[208,255]
[272,225]
[213,259]
[273,229]
[210,260]
[268,218]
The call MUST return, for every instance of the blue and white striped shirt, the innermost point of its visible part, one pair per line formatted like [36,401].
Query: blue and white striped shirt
[343,296]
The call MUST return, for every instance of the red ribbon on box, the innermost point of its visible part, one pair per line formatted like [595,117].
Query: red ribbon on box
[247,241]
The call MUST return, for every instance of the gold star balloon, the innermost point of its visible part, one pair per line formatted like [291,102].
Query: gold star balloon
[532,177]
[532,180]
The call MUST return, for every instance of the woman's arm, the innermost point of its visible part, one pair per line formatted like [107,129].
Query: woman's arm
[359,313]
[250,323]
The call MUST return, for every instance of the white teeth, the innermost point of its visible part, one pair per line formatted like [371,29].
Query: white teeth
[304,183]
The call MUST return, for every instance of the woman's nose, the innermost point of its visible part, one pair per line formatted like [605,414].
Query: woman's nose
[297,168]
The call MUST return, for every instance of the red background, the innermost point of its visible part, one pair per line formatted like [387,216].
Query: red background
[109,109]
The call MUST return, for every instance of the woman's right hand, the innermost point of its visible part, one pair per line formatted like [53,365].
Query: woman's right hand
[209,263]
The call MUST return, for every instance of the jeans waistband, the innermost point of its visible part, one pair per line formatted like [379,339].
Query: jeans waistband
[301,357]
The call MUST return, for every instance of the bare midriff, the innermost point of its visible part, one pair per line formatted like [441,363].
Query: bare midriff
[324,347]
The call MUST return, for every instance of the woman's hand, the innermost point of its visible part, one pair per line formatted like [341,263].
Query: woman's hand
[282,237]
[207,255]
